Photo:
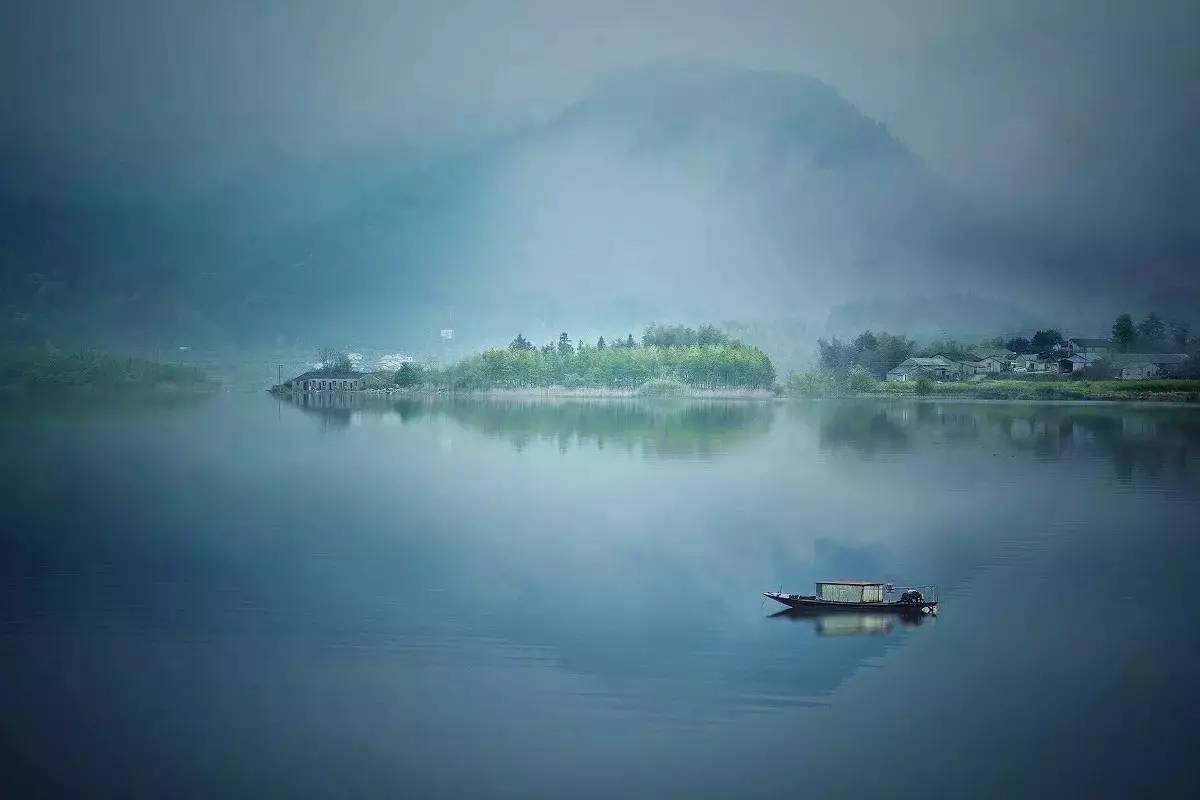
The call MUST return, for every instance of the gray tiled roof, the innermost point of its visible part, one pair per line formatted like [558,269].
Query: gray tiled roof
[332,374]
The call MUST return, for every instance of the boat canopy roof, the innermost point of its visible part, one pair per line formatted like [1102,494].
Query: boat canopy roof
[853,583]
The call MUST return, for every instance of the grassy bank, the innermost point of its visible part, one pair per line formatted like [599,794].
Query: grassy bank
[1066,389]
[33,367]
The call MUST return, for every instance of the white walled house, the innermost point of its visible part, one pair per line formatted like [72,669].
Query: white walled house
[1134,370]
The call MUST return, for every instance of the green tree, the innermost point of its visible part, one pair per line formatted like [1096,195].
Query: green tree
[859,379]
[600,345]
[409,375]
[866,340]
[891,349]
[711,366]
[1152,328]
[333,359]
[564,345]
[949,348]
[629,342]
[520,343]
[1045,341]
[1124,333]
[835,357]
[709,335]
[1179,335]
[1019,344]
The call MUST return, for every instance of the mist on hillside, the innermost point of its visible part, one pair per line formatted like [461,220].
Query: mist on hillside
[652,188]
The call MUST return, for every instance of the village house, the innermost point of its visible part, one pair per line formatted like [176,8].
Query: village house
[1132,366]
[967,367]
[1135,368]
[1084,345]
[1032,362]
[992,363]
[1127,366]
[326,380]
[1001,354]
[937,368]
[1079,361]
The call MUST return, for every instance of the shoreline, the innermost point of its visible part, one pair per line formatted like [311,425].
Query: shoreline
[1049,394]
[555,392]
[1182,398]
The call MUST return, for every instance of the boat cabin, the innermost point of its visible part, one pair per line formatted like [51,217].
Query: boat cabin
[862,595]
[851,591]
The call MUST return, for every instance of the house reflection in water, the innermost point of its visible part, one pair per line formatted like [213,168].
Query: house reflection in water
[332,401]
[335,409]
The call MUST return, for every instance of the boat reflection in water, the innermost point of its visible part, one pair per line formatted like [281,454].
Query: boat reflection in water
[852,623]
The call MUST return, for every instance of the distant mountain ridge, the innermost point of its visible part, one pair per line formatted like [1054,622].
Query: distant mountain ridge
[679,191]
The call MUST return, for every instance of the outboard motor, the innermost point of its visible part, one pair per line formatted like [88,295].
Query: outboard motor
[912,596]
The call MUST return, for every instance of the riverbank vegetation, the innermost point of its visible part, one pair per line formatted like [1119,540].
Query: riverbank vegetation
[1065,388]
[48,367]
[859,366]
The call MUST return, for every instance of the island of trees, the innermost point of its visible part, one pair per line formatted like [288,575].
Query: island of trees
[668,359]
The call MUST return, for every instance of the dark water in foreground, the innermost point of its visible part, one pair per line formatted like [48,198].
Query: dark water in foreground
[234,597]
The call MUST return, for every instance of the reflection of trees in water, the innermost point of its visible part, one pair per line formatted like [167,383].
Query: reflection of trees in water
[662,428]
[103,402]
[335,408]
[867,428]
[668,429]
[1158,440]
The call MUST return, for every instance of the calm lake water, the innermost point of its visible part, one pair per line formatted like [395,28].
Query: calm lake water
[236,596]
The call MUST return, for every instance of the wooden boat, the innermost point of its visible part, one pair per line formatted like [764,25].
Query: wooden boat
[862,596]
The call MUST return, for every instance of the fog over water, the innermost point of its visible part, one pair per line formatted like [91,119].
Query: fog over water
[513,599]
[506,558]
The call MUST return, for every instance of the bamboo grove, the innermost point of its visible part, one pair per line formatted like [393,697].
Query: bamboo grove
[719,363]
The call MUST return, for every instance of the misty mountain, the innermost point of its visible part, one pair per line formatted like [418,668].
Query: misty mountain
[680,191]
[964,316]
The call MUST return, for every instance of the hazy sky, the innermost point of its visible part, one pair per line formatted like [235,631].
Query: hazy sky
[1089,108]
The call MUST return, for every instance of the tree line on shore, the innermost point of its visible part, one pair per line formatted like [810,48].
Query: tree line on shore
[48,366]
[855,365]
[879,352]
[703,358]
[708,358]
